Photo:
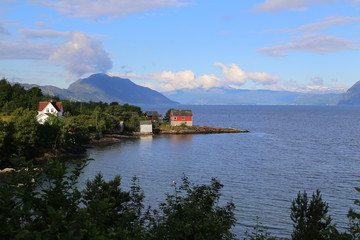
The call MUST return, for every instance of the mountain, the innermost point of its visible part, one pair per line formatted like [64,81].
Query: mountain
[223,96]
[352,95]
[101,87]
[317,99]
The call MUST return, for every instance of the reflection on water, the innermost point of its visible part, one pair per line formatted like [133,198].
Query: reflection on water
[180,139]
[146,138]
[288,149]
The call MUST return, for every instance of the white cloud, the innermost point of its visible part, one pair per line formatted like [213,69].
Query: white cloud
[108,8]
[316,43]
[329,22]
[231,76]
[81,55]
[297,5]
[231,73]
[316,85]
[169,81]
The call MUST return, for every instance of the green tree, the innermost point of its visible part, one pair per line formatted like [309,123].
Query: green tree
[132,124]
[50,134]
[167,115]
[25,132]
[5,92]
[32,97]
[113,212]
[354,219]
[6,147]
[76,130]
[193,213]
[259,232]
[310,218]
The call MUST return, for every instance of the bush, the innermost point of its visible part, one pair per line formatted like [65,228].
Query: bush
[49,205]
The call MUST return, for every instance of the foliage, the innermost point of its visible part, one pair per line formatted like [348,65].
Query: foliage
[6,147]
[25,132]
[310,217]
[15,96]
[48,205]
[192,212]
[112,212]
[132,124]
[167,116]
[259,232]
[354,218]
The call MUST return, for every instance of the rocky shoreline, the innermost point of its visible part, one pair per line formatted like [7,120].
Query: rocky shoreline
[113,138]
[199,130]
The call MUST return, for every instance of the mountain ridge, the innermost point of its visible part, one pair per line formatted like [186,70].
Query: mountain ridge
[223,96]
[352,95]
[105,88]
[101,87]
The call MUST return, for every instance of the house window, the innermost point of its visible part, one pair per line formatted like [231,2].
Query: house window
[47,110]
[175,118]
[182,118]
[52,110]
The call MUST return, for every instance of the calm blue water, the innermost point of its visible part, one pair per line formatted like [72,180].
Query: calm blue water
[289,149]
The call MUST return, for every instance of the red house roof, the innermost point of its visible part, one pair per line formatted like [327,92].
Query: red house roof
[56,105]
[187,113]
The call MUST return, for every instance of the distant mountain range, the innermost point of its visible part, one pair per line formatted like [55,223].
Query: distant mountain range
[352,95]
[101,87]
[222,96]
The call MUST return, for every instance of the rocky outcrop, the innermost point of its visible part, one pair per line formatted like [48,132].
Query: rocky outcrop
[199,130]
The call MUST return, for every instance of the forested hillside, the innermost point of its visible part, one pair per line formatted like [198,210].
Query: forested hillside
[22,136]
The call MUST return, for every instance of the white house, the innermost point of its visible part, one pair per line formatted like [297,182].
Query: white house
[47,109]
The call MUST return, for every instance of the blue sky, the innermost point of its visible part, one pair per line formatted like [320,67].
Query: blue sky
[298,45]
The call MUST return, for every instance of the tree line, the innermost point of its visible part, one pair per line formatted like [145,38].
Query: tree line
[22,136]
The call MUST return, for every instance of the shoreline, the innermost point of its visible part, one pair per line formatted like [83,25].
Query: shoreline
[199,130]
[117,137]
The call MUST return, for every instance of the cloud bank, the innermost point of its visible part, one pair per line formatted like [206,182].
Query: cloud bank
[108,8]
[315,43]
[79,53]
[327,23]
[231,76]
[297,5]
[311,41]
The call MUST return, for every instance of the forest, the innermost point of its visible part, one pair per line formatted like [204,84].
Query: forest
[22,136]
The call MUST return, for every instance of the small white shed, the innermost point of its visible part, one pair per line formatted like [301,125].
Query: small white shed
[146,126]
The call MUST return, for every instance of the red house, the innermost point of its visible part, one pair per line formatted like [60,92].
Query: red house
[178,117]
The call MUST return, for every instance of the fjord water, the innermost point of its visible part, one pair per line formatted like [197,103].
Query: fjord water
[289,149]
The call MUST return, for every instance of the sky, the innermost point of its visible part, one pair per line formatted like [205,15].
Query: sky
[167,45]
